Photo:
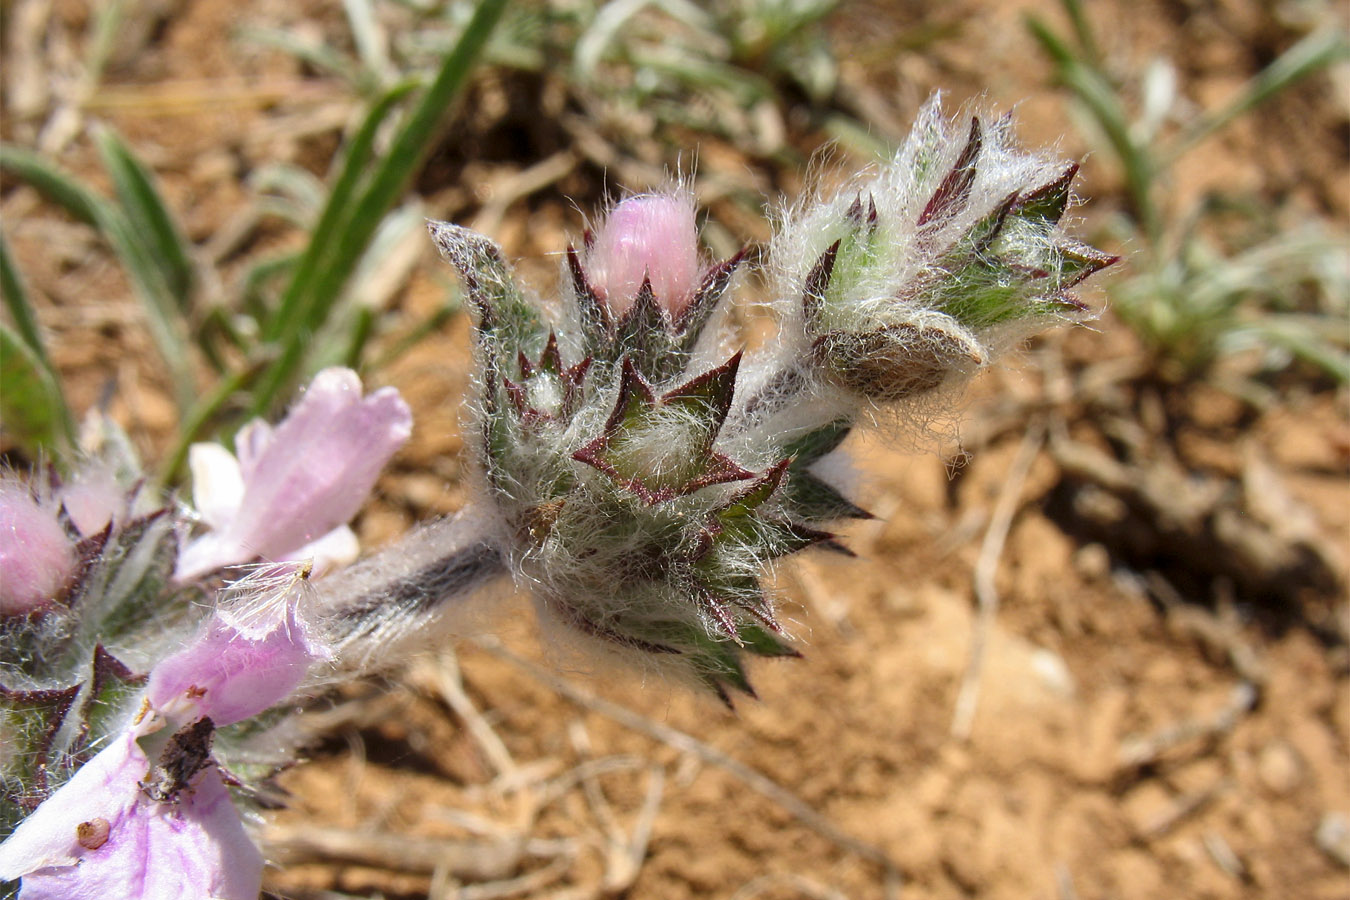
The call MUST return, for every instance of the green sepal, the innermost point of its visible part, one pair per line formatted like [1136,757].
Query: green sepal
[1077,262]
[130,584]
[688,327]
[816,444]
[32,720]
[708,396]
[638,410]
[1048,202]
[813,500]
[111,687]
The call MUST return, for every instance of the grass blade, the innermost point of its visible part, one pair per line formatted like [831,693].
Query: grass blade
[1082,29]
[162,315]
[316,287]
[335,212]
[1309,56]
[148,215]
[52,183]
[31,404]
[16,301]
[1095,91]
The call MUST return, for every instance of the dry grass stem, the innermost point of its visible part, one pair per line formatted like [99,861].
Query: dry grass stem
[986,567]
[687,743]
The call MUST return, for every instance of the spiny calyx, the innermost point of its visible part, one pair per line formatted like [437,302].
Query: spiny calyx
[662,447]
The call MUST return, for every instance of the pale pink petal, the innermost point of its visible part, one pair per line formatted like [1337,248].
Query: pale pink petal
[93,498]
[103,788]
[250,443]
[194,848]
[307,476]
[321,464]
[217,483]
[37,558]
[647,236]
[241,663]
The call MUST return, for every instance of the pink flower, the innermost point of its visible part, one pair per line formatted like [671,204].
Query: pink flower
[292,489]
[101,836]
[243,661]
[123,826]
[37,557]
[648,236]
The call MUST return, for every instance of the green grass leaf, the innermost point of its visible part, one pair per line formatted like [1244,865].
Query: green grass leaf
[357,207]
[31,404]
[163,317]
[150,219]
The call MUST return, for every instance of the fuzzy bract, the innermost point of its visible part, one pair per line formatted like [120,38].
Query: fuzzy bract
[913,277]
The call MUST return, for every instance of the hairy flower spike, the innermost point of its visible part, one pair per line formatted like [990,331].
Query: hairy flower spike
[646,473]
[959,254]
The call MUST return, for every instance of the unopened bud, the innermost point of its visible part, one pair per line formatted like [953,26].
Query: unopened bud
[648,237]
[37,557]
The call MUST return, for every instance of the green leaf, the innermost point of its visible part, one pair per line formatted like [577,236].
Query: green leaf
[32,407]
[149,218]
[163,318]
[1310,55]
[352,215]
[336,211]
[16,301]
[52,183]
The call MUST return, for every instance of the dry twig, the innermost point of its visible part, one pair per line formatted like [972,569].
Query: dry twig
[986,567]
[687,743]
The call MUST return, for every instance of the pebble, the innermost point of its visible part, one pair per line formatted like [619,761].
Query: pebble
[1333,836]
[1279,767]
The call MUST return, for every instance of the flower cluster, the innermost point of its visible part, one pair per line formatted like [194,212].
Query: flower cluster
[149,815]
[646,470]
[122,706]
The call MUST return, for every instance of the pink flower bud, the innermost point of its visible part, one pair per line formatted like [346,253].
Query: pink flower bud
[93,498]
[37,558]
[651,236]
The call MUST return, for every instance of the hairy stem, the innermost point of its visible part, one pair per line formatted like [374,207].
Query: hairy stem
[388,602]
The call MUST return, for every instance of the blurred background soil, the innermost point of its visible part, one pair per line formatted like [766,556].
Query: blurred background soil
[1157,706]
